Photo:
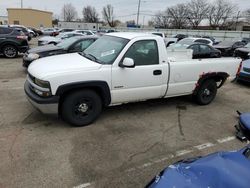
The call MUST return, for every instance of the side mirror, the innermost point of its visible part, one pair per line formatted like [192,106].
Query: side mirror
[127,62]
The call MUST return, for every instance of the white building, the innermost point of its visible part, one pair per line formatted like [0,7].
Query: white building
[79,25]
[3,20]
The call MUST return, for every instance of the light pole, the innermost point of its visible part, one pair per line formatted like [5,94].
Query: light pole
[138,12]
[21,3]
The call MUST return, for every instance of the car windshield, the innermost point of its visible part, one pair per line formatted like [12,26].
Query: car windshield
[104,53]
[67,42]
[186,42]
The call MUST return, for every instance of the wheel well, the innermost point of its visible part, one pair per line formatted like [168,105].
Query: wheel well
[98,90]
[217,77]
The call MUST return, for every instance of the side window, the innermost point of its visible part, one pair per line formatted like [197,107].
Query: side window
[5,31]
[195,48]
[204,49]
[202,41]
[144,53]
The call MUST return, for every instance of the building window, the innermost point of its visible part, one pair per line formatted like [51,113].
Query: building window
[16,22]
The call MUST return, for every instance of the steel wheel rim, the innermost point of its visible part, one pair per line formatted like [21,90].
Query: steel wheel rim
[10,52]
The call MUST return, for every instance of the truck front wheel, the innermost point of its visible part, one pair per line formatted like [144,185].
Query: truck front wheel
[206,92]
[81,108]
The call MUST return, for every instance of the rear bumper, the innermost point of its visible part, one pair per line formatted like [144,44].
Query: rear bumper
[244,77]
[45,105]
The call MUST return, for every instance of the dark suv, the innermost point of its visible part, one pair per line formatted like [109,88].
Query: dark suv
[12,41]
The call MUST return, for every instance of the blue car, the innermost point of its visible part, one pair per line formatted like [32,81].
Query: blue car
[244,74]
[218,170]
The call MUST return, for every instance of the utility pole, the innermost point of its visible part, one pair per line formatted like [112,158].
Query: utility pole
[21,3]
[138,12]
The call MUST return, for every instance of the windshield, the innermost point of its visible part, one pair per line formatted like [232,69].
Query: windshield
[186,42]
[106,49]
[67,42]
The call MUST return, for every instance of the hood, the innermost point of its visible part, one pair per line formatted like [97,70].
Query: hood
[222,46]
[46,48]
[218,170]
[61,64]
[243,49]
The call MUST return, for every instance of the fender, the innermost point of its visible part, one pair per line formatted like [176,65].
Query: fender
[101,87]
[217,76]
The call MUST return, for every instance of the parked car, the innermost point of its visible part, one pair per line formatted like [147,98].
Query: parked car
[48,31]
[167,40]
[243,52]
[79,85]
[244,72]
[12,41]
[23,29]
[227,47]
[32,34]
[180,36]
[188,41]
[37,31]
[219,170]
[212,39]
[70,45]
[85,32]
[204,51]
[55,40]
[246,40]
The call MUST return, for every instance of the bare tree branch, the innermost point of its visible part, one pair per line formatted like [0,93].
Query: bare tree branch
[197,10]
[108,15]
[90,14]
[179,14]
[69,12]
[219,13]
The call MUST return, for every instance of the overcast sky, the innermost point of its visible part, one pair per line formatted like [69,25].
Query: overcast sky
[124,9]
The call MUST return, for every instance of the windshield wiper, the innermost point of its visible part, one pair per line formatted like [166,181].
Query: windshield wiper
[90,57]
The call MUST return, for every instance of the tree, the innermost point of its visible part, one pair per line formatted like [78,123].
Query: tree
[108,15]
[90,14]
[162,19]
[69,12]
[197,10]
[178,15]
[246,14]
[220,13]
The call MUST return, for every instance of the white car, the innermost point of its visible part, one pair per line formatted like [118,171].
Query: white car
[184,43]
[55,40]
[85,32]
[121,68]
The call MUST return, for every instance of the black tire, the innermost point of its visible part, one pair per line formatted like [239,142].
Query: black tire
[81,108]
[10,51]
[206,92]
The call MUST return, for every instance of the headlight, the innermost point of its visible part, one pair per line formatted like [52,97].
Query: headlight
[32,56]
[41,83]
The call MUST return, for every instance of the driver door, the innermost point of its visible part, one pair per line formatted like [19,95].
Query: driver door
[144,80]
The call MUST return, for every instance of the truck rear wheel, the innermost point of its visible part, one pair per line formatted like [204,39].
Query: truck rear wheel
[81,108]
[206,92]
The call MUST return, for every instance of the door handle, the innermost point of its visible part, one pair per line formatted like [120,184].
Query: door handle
[157,72]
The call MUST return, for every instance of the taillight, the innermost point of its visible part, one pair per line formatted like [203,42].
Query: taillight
[21,37]
[238,71]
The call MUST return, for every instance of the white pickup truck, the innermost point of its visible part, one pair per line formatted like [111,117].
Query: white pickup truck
[121,68]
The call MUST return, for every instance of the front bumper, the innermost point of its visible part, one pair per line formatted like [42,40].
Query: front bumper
[45,105]
[23,49]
